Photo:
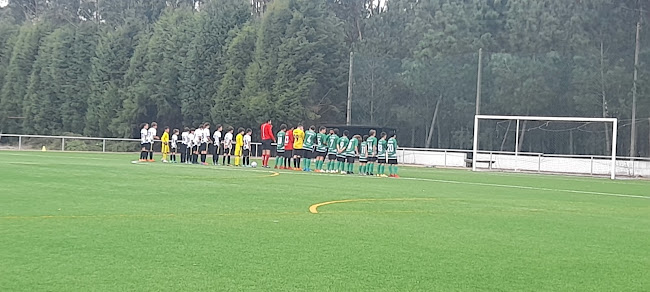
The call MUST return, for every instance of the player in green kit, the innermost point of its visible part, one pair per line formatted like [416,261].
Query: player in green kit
[350,153]
[341,147]
[363,156]
[279,158]
[321,148]
[381,155]
[308,146]
[372,152]
[391,153]
[332,151]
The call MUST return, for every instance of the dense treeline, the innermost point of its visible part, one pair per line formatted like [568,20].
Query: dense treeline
[100,68]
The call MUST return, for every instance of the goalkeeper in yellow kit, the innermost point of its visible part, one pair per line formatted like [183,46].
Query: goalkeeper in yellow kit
[239,144]
[165,144]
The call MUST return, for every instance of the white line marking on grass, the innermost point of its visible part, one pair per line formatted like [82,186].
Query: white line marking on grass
[464,183]
[488,185]
[477,184]
[528,188]
[576,178]
[22,163]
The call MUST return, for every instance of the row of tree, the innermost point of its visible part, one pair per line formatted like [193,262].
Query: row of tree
[102,67]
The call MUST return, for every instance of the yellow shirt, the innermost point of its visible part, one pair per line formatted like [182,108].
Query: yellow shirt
[240,141]
[165,138]
[298,138]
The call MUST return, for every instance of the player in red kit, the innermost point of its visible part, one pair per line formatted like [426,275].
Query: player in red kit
[288,149]
[267,139]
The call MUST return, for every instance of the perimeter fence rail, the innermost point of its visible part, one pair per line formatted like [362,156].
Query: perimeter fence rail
[84,144]
[595,165]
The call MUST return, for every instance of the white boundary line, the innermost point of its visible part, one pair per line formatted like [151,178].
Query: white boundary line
[529,188]
[470,183]
[564,177]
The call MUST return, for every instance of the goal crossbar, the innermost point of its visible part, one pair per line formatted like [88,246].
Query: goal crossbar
[562,119]
[477,118]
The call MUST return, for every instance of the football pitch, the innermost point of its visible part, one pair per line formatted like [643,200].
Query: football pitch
[97,222]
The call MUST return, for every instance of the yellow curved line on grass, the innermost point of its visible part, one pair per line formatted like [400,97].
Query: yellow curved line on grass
[314,208]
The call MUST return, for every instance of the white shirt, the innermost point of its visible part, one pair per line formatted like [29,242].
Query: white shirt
[198,133]
[184,138]
[174,141]
[216,137]
[205,137]
[197,137]
[190,139]
[247,142]
[144,135]
[152,135]
[227,140]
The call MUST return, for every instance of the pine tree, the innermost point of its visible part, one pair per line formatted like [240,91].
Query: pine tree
[314,63]
[228,105]
[204,63]
[133,108]
[76,92]
[49,83]
[298,62]
[8,35]
[113,51]
[256,97]
[153,79]
[17,77]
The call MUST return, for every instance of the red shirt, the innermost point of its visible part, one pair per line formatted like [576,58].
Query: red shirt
[267,132]
[289,146]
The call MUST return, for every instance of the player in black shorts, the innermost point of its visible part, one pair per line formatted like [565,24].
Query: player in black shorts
[351,153]
[144,144]
[363,156]
[320,148]
[267,138]
[298,153]
[381,155]
[371,143]
[288,154]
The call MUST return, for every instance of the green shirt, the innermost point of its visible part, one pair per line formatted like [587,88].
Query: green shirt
[352,147]
[363,152]
[381,148]
[281,140]
[332,141]
[391,150]
[372,146]
[310,138]
[321,142]
[343,144]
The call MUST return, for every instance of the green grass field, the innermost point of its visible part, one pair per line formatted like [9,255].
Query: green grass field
[97,222]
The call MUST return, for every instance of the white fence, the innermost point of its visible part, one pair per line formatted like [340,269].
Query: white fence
[433,157]
[528,162]
[80,144]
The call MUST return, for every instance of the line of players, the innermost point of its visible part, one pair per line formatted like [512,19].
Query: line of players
[292,143]
[194,144]
[341,151]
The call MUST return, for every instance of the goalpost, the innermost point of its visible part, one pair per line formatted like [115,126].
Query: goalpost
[558,144]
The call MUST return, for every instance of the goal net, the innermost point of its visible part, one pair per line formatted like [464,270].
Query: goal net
[545,144]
